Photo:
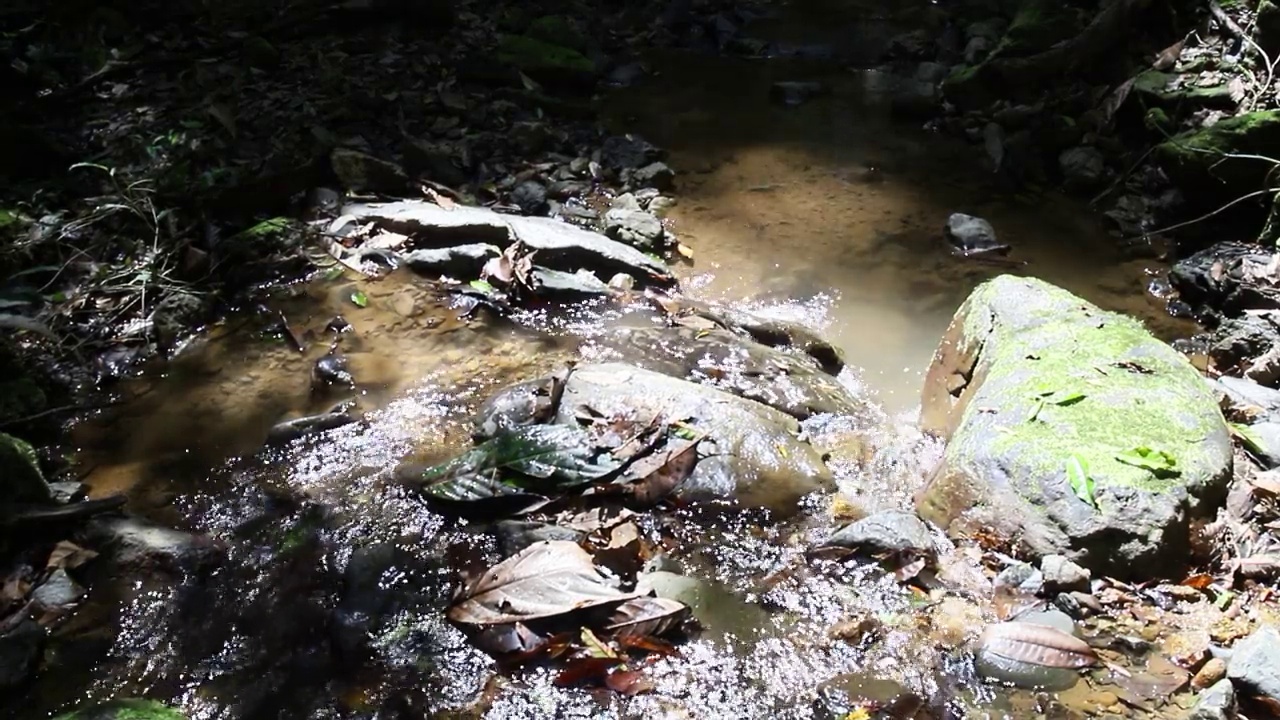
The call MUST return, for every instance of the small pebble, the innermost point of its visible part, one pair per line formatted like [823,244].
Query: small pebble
[1211,673]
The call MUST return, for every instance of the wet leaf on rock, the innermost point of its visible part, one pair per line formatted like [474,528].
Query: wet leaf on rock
[657,475]
[645,616]
[533,458]
[628,682]
[1158,462]
[1082,483]
[1037,645]
[359,299]
[544,580]
[68,555]
[582,671]
[595,646]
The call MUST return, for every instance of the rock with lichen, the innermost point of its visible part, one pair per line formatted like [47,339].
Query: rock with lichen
[1070,430]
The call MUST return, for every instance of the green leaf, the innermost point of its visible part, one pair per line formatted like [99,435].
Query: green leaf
[360,299]
[1160,463]
[1223,601]
[333,273]
[1082,483]
[1035,409]
[1247,436]
[1066,398]
[482,286]
[537,459]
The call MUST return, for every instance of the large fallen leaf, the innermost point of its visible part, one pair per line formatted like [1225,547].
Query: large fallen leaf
[645,616]
[1037,645]
[67,554]
[528,459]
[657,475]
[544,580]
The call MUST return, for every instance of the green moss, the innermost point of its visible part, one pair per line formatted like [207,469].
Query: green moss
[1158,121]
[558,30]
[532,55]
[1137,391]
[1037,25]
[1173,88]
[267,229]
[1199,159]
[22,481]
[127,709]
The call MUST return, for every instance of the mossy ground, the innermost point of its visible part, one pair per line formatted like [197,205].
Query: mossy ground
[528,54]
[128,709]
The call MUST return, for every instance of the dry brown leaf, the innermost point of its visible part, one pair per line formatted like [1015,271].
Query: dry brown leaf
[1037,645]
[628,682]
[68,555]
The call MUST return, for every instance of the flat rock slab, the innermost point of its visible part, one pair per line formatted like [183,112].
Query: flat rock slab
[1030,378]
[560,246]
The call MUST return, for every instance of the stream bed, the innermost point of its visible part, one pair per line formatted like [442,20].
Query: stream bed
[330,600]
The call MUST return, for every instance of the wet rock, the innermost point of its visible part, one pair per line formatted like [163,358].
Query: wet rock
[766,331]
[751,452]
[135,543]
[1006,462]
[793,93]
[788,382]
[438,161]
[560,246]
[531,197]
[655,175]
[628,151]
[179,314]
[289,430]
[1218,702]
[1083,168]
[892,531]
[1240,339]
[845,696]
[1222,278]
[625,201]
[1062,575]
[23,481]
[21,648]
[124,709]
[58,592]
[1213,163]
[65,492]
[1021,577]
[361,172]
[1247,399]
[1211,673]
[972,235]
[375,586]
[636,228]
[570,286]
[461,261]
[332,369]
[719,610]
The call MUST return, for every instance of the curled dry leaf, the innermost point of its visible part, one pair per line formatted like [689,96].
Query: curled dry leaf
[644,616]
[1037,645]
[67,554]
[628,682]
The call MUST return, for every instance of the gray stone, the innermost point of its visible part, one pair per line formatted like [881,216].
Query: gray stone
[363,172]
[1254,667]
[628,151]
[461,261]
[766,331]
[441,162]
[57,592]
[625,201]
[65,492]
[531,197]
[1240,339]
[655,175]
[135,543]
[891,531]
[1264,443]
[977,49]
[1012,449]
[1083,168]
[932,72]
[637,228]
[972,235]
[21,648]
[1022,577]
[569,286]
[1216,702]
[1247,398]
[1062,575]
[560,246]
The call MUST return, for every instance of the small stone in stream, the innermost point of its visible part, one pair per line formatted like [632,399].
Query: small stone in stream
[1245,398]
[625,201]
[793,93]
[138,544]
[578,214]
[891,531]
[1022,577]
[661,205]
[461,261]
[579,284]
[636,228]
[337,325]
[1211,673]
[58,592]
[362,172]
[655,175]
[580,166]
[622,282]
[1083,168]
[177,315]
[1264,443]
[21,648]
[970,234]
[332,369]
[1254,667]
[628,151]
[531,197]
[65,492]
[1216,703]
[1063,575]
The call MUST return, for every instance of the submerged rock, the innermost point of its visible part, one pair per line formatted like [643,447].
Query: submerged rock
[1039,395]
[789,382]
[892,531]
[135,543]
[750,453]
[124,709]
[560,246]
[766,331]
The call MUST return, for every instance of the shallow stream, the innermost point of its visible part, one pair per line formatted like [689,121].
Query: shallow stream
[830,213]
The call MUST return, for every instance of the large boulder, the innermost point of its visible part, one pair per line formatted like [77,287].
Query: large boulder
[560,246]
[751,453]
[1039,395]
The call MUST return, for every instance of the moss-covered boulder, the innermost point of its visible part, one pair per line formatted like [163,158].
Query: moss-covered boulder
[1210,163]
[1037,25]
[1070,430]
[20,478]
[546,62]
[126,709]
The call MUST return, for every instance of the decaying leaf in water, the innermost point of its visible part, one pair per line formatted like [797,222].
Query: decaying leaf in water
[586,670]
[645,616]
[595,646]
[656,476]
[67,554]
[628,682]
[544,580]
[1199,582]
[647,643]
[1037,645]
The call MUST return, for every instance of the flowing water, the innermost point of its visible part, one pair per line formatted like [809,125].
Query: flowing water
[829,213]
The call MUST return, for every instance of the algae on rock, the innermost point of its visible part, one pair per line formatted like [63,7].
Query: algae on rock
[124,709]
[1029,381]
[1227,159]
